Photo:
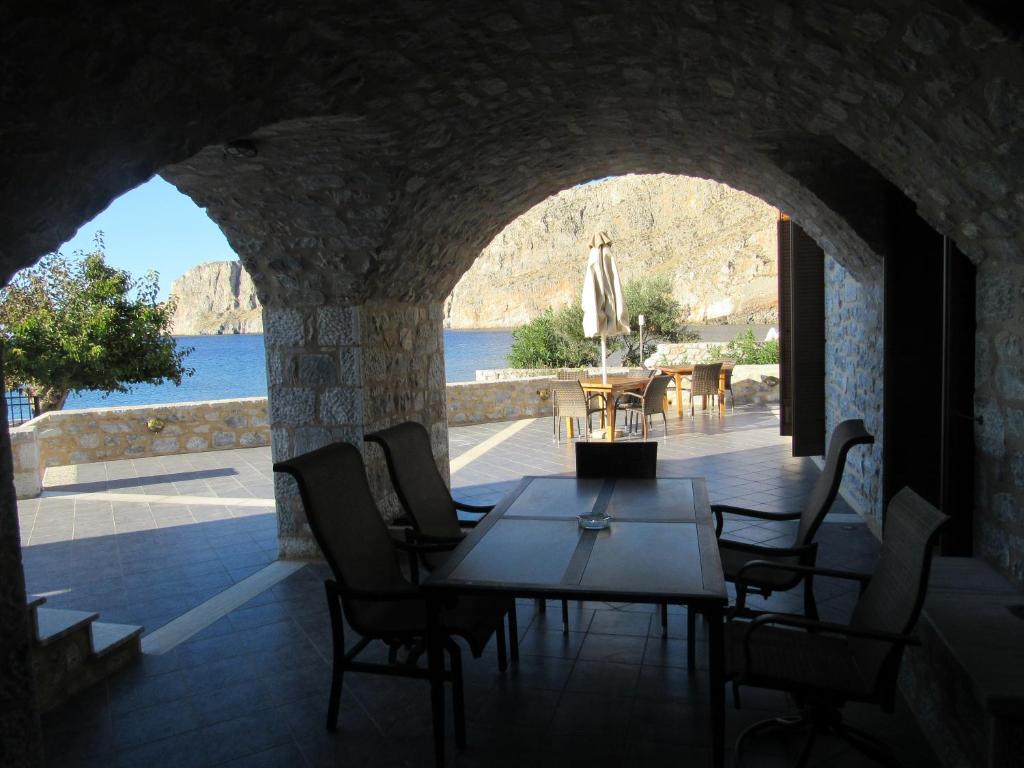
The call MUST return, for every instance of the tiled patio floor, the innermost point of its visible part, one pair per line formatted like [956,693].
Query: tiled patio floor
[251,689]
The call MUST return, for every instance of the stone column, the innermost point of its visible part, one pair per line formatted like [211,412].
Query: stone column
[335,372]
[20,742]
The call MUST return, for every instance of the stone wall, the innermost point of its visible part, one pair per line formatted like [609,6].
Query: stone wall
[999,416]
[476,402]
[336,372]
[679,353]
[853,381]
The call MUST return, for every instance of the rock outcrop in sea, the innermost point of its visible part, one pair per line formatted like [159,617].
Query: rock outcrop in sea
[716,246]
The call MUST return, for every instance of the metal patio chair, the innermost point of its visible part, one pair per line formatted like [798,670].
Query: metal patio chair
[377,600]
[824,665]
[431,514]
[803,549]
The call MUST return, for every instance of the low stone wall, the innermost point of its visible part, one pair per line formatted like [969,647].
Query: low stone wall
[512,374]
[83,436]
[105,434]
[476,402]
[684,352]
[28,480]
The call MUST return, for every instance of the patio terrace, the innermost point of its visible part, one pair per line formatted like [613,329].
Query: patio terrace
[147,541]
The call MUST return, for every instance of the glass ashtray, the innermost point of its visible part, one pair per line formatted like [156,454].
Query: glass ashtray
[594,522]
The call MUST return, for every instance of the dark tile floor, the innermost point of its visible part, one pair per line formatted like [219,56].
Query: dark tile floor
[251,689]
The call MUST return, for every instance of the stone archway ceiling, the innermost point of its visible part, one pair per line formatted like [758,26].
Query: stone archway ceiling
[397,139]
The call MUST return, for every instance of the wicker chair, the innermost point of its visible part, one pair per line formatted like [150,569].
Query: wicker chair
[651,402]
[378,602]
[803,550]
[704,381]
[570,401]
[824,665]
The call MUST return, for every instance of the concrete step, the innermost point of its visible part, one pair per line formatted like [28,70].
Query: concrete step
[52,624]
[33,606]
[74,651]
[107,639]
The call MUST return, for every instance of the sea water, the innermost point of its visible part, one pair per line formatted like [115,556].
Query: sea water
[235,366]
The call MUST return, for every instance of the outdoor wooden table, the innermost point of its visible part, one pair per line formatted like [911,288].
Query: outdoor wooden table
[678,371]
[660,548]
[616,385]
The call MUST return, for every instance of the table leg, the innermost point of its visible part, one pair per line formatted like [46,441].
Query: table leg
[568,427]
[679,395]
[716,661]
[435,666]
[721,393]
[610,427]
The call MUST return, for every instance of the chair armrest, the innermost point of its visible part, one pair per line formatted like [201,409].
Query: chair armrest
[482,509]
[622,395]
[720,509]
[786,620]
[806,570]
[761,549]
[812,625]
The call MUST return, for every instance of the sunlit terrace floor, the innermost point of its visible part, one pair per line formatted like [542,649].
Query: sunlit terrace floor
[146,541]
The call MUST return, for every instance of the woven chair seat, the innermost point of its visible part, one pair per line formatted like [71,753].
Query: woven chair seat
[771,579]
[472,618]
[796,660]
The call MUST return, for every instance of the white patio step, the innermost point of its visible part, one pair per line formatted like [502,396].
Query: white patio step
[107,638]
[54,623]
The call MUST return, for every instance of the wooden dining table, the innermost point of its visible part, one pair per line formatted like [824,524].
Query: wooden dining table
[660,549]
[678,371]
[610,390]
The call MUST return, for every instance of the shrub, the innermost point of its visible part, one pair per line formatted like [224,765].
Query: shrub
[746,350]
[554,340]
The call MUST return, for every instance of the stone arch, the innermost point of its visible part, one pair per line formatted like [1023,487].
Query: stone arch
[394,140]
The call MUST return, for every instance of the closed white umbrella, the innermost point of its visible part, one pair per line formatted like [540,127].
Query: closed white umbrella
[604,308]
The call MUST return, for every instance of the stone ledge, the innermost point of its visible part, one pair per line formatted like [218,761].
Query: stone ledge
[965,682]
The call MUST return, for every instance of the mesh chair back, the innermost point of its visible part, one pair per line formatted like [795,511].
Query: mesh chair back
[344,519]
[569,398]
[640,373]
[570,374]
[704,380]
[634,460]
[421,490]
[845,436]
[893,598]
[654,394]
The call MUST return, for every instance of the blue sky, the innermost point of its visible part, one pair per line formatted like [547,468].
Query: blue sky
[154,226]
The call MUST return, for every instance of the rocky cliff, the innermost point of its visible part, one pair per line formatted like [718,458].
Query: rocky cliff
[716,246]
[217,297]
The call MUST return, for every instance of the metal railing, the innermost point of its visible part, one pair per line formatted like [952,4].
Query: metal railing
[21,407]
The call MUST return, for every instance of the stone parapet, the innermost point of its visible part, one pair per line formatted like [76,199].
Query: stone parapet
[28,476]
[479,402]
[84,436]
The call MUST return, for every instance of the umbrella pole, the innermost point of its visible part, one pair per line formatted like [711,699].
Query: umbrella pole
[604,359]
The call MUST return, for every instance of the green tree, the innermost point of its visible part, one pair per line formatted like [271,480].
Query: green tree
[552,340]
[68,324]
[652,298]
[555,339]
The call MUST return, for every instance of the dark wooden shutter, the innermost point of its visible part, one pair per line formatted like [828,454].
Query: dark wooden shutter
[956,486]
[785,329]
[802,339]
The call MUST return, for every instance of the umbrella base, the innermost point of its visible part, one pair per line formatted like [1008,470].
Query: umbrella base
[601,433]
